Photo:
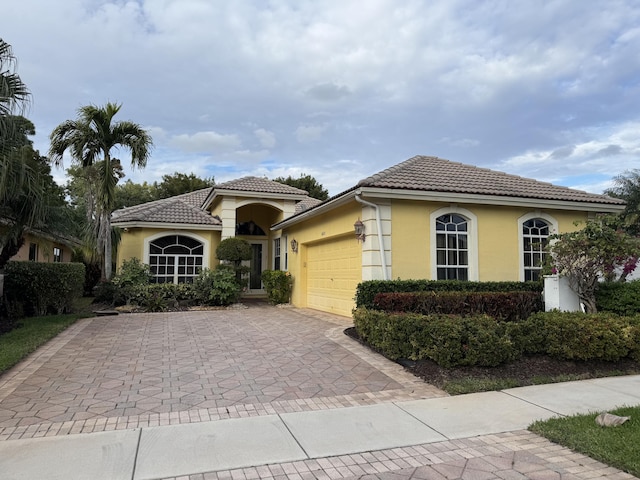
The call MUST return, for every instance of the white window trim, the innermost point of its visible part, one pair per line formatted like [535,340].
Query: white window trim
[206,246]
[553,229]
[472,239]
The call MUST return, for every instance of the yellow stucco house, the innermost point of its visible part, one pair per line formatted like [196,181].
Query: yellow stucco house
[423,218]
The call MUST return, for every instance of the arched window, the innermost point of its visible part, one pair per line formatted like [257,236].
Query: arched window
[452,247]
[175,258]
[535,237]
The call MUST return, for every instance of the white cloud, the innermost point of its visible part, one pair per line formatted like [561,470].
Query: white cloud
[460,142]
[309,133]
[206,142]
[266,138]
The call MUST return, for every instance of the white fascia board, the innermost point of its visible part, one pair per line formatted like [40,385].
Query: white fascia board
[452,197]
[336,202]
[175,226]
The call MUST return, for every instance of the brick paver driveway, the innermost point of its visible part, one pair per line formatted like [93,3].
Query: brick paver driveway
[152,369]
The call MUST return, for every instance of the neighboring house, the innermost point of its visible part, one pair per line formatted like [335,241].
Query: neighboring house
[44,247]
[439,220]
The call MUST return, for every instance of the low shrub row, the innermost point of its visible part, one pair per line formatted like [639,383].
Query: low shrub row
[506,306]
[36,288]
[446,339]
[131,286]
[367,290]
[451,340]
[579,336]
[622,298]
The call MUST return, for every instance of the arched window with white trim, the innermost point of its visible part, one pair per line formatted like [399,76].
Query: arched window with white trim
[534,232]
[454,244]
[175,259]
[452,247]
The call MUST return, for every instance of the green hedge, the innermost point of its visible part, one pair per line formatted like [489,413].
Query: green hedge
[620,298]
[579,336]
[34,288]
[446,339]
[451,340]
[507,306]
[367,291]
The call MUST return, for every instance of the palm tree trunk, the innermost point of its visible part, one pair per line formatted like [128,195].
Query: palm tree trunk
[108,245]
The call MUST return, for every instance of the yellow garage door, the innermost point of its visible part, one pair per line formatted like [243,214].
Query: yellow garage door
[334,269]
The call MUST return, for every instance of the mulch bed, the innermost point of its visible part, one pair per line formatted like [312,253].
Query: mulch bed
[524,370]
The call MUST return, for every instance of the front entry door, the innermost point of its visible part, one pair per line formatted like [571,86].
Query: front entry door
[257,264]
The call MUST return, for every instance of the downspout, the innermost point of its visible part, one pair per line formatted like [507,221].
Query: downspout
[383,258]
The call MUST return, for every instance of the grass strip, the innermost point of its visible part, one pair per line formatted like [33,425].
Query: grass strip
[615,446]
[32,333]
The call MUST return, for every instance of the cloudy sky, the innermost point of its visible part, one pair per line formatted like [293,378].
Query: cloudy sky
[340,89]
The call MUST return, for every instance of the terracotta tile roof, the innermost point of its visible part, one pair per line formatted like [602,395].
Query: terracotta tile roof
[306,204]
[185,208]
[259,185]
[435,174]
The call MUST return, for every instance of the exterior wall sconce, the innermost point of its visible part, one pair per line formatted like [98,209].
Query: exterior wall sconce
[294,246]
[359,229]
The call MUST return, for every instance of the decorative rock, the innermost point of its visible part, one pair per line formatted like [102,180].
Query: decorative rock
[610,420]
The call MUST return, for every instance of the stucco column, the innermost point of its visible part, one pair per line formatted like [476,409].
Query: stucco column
[228,216]
[371,262]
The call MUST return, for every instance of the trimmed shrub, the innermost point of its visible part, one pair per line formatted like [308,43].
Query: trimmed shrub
[235,250]
[216,287]
[366,291]
[634,338]
[622,298]
[131,275]
[506,306]
[448,340]
[37,288]
[529,336]
[583,336]
[155,297]
[278,285]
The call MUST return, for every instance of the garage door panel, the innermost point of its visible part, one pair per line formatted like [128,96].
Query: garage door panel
[334,269]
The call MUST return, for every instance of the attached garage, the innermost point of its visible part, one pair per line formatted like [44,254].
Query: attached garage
[334,269]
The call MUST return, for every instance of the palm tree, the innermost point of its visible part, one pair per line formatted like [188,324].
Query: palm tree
[90,139]
[14,96]
[21,185]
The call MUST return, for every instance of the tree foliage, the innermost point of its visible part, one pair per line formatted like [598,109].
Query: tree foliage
[307,183]
[179,183]
[235,250]
[600,249]
[29,198]
[129,193]
[14,97]
[627,187]
[90,139]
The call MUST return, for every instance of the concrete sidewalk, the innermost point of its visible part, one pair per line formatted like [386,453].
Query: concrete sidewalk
[479,436]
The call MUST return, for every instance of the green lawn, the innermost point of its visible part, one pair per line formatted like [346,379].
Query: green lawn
[33,332]
[615,446]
